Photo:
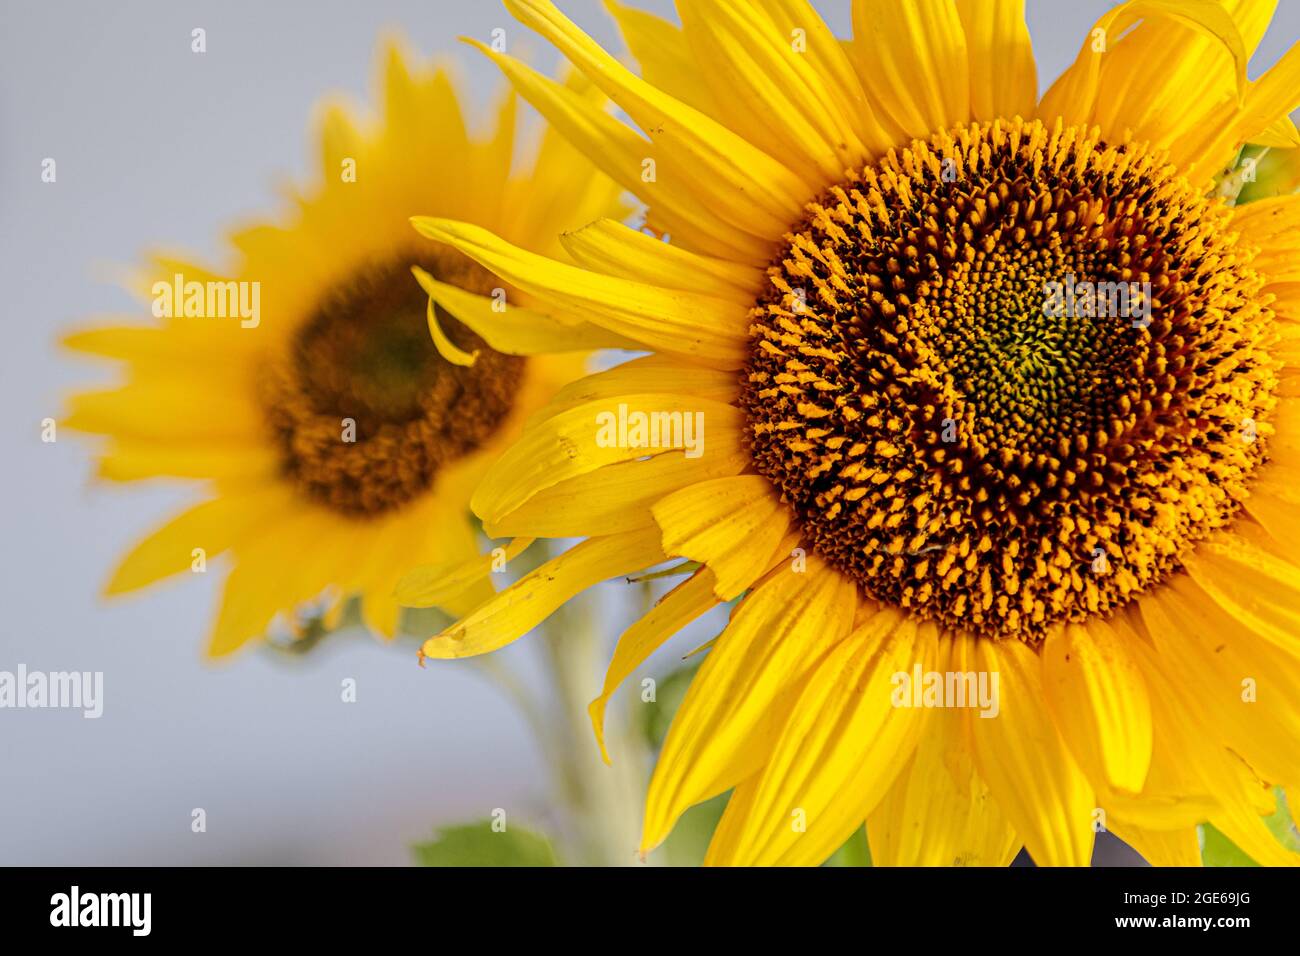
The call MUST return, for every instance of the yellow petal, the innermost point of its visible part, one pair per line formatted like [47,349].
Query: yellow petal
[1268,101]
[1275,514]
[911,55]
[1274,95]
[512,329]
[259,587]
[445,346]
[836,756]
[166,410]
[1268,222]
[1026,764]
[212,526]
[768,91]
[163,347]
[1160,82]
[550,195]
[133,459]
[581,439]
[1192,776]
[683,604]
[1243,683]
[626,157]
[522,606]
[648,374]
[729,524]
[745,186]
[248,603]
[1075,95]
[830,60]
[614,249]
[939,812]
[724,728]
[1099,701]
[490,171]
[1256,588]
[1253,18]
[418,113]
[1003,74]
[617,497]
[431,585]
[1251,834]
[661,51]
[1280,134]
[1216,141]
[1180,847]
[706,329]
[434,529]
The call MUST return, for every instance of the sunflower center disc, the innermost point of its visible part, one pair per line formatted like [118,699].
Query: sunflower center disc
[1006,377]
[366,410]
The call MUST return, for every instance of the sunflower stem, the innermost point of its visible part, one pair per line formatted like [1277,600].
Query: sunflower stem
[602,802]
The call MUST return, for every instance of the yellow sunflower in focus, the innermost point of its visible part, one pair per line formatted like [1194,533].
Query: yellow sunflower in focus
[337,439]
[983,405]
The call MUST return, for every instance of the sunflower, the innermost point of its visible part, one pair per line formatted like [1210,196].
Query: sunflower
[956,390]
[336,440]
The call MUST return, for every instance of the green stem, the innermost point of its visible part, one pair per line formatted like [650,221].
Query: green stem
[603,803]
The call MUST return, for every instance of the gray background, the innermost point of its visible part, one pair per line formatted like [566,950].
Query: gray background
[158,146]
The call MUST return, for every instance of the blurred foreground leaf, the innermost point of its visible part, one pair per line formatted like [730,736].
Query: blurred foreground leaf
[654,718]
[1218,850]
[1276,172]
[855,851]
[689,841]
[477,844]
[1282,823]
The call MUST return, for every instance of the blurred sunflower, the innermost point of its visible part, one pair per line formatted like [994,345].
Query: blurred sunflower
[338,440]
[914,462]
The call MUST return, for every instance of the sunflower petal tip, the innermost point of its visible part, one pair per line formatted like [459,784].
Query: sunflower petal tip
[596,711]
[434,227]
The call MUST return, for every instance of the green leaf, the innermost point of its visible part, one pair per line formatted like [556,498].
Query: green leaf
[654,718]
[689,841]
[1282,823]
[1218,850]
[477,844]
[855,851]
[1272,172]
